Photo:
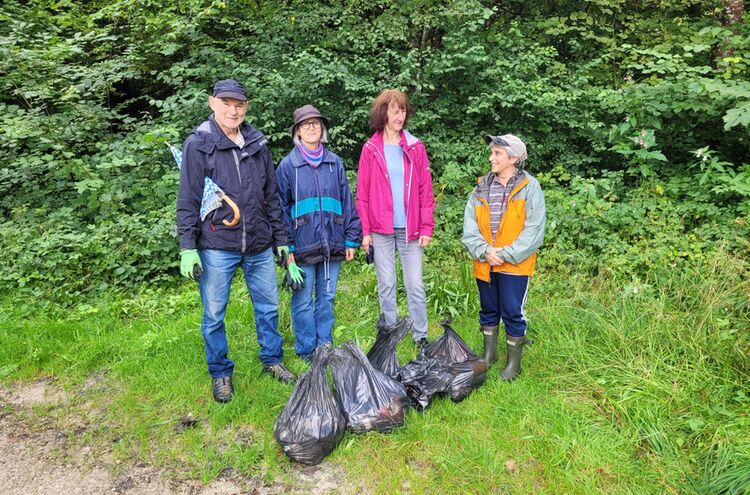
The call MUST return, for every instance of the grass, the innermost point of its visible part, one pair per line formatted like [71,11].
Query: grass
[637,387]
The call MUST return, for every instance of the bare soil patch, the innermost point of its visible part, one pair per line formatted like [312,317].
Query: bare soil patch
[36,459]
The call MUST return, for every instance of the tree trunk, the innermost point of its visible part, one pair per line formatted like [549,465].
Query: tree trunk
[733,10]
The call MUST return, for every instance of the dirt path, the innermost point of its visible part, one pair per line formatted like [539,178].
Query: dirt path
[35,460]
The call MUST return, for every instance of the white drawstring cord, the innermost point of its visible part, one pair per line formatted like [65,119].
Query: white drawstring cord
[408,196]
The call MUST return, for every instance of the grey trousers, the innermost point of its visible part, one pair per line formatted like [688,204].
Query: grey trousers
[385,246]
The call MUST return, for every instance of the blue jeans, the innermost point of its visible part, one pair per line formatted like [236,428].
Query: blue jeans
[503,298]
[260,277]
[313,320]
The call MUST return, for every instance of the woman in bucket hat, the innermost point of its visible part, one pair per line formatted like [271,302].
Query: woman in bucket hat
[322,224]
[503,228]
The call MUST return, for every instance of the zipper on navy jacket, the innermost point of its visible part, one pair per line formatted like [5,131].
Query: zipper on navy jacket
[242,212]
[320,209]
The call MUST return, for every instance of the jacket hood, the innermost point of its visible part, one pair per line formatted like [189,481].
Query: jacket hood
[408,140]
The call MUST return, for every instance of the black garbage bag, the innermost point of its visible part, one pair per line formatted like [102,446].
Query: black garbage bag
[311,424]
[425,378]
[468,369]
[449,346]
[382,355]
[369,399]
[466,377]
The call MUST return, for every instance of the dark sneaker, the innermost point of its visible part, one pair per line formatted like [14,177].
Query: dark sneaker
[422,343]
[279,372]
[223,390]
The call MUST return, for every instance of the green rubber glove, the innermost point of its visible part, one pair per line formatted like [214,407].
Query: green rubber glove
[190,264]
[294,277]
[282,253]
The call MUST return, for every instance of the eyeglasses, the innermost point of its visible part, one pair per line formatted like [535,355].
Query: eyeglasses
[310,124]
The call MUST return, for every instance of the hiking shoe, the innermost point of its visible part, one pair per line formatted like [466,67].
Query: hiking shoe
[422,343]
[223,390]
[279,372]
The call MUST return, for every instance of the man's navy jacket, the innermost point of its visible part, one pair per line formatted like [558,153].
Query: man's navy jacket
[246,175]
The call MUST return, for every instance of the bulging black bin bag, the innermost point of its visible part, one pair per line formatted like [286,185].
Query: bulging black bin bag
[423,379]
[449,346]
[311,424]
[370,400]
[466,377]
[469,371]
[382,355]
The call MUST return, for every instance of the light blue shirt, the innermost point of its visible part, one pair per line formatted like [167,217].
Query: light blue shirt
[394,158]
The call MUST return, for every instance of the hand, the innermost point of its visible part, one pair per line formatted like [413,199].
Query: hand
[424,241]
[366,243]
[492,258]
[190,264]
[294,277]
[350,254]
[281,252]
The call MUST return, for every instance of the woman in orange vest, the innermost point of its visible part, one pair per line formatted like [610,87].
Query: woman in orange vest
[503,228]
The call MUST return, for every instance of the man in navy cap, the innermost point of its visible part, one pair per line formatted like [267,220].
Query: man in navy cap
[235,156]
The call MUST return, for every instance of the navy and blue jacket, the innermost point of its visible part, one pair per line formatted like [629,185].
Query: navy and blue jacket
[317,208]
[246,175]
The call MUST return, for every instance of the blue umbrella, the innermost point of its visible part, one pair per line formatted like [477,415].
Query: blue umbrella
[213,196]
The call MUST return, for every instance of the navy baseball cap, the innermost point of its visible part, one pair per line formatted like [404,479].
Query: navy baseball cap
[229,88]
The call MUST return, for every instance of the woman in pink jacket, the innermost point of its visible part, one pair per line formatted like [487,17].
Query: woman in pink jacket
[395,204]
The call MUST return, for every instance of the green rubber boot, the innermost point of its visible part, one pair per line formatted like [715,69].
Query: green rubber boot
[513,360]
[490,344]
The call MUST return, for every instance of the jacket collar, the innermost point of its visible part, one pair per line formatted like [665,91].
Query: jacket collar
[213,134]
[407,142]
[482,190]
[483,186]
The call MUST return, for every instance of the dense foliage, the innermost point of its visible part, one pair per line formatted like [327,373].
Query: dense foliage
[636,114]
[636,126]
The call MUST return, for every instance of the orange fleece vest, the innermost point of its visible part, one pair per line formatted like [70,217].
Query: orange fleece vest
[509,229]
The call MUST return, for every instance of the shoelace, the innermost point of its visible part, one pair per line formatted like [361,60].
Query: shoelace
[223,385]
[281,372]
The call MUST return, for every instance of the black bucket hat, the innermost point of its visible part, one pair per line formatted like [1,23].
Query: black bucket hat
[307,112]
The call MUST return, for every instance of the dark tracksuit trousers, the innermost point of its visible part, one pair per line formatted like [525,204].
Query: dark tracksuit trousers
[503,298]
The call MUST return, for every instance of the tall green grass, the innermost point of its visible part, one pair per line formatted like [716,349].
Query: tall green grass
[635,386]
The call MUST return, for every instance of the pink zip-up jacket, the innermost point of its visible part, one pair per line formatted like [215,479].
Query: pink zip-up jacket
[374,198]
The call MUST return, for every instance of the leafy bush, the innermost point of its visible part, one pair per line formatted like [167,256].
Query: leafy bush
[614,103]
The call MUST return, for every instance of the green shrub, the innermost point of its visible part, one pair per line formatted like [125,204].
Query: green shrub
[614,109]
